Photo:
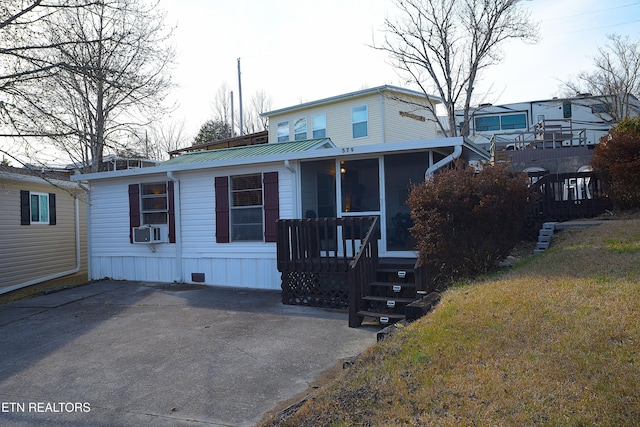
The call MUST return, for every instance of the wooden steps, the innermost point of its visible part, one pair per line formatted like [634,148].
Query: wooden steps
[385,298]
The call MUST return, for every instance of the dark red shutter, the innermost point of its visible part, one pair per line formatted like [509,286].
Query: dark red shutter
[25,208]
[171,205]
[52,209]
[134,208]
[271,206]
[222,209]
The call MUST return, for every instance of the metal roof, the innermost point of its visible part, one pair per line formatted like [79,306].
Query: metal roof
[250,151]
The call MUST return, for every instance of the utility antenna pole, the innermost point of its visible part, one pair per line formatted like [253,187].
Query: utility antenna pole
[240,98]
[233,131]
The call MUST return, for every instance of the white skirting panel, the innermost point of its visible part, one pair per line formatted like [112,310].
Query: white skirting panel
[135,268]
[258,273]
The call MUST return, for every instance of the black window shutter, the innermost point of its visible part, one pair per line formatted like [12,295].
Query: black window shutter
[134,209]
[172,212]
[271,206]
[25,208]
[222,209]
[52,209]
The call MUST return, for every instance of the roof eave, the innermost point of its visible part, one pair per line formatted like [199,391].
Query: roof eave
[336,152]
[351,95]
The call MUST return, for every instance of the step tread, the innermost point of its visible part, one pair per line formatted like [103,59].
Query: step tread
[377,298]
[394,270]
[391,284]
[378,314]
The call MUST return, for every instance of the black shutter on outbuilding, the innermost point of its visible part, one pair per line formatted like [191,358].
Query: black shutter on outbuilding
[52,209]
[271,206]
[222,209]
[134,209]
[25,208]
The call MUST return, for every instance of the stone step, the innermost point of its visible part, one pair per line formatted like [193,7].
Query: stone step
[544,239]
[542,245]
[545,232]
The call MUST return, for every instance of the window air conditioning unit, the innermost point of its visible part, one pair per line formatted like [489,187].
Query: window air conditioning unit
[147,234]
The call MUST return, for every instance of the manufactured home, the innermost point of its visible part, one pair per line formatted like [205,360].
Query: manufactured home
[212,216]
[42,223]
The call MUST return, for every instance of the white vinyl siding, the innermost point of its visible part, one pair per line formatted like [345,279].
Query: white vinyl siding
[245,264]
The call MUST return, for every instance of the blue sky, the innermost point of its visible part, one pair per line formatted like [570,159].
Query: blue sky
[302,50]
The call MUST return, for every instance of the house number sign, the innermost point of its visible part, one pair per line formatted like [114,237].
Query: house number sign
[347,150]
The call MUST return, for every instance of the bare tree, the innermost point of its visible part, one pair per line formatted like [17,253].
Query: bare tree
[253,121]
[443,46]
[23,47]
[221,106]
[166,138]
[222,115]
[615,80]
[114,80]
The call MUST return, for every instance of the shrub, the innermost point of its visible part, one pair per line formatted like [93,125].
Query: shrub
[617,161]
[464,222]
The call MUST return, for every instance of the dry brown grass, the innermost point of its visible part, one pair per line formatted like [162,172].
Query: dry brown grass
[54,285]
[555,341]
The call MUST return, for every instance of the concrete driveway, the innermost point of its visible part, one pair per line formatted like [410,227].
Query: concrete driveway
[116,353]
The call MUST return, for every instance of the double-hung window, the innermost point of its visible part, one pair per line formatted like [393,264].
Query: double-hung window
[282,131]
[300,129]
[359,121]
[246,208]
[319,126]
[154,206]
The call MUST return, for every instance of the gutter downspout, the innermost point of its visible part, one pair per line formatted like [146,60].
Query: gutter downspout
[87,191]
[178,210]
[55,275]
[457,151]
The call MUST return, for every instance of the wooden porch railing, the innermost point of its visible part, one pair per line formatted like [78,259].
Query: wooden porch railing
[314,257]
[362,271]
[567,196]
[320,244]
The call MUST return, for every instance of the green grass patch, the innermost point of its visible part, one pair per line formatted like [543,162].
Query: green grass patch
[554,341]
